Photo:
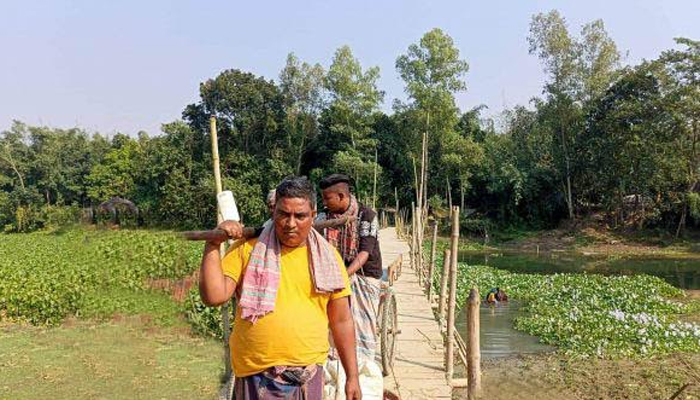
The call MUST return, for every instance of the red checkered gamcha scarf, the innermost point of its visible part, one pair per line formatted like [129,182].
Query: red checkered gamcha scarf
[346,238]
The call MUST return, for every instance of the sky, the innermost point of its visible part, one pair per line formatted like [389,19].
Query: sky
[126,66]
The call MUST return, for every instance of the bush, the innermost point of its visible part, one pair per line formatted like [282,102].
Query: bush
[56,217]
[46,277]
[204,320]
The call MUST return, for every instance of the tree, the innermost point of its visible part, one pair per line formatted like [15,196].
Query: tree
[346,125]
[13,151]
[249,112]
[433,73]
[253,140]
[61,164]
[116,176]
[354,96]
[683,93]
[579,70]
[461,155]
[302,89]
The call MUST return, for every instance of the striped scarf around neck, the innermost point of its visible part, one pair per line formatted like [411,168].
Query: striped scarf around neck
[262,276]
[346,238]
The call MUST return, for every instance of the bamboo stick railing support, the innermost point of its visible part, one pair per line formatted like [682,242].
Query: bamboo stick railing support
[473,345]
[452,301]
[443,286]
[431,268]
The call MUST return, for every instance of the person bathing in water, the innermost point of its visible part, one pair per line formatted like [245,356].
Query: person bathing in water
[496,295]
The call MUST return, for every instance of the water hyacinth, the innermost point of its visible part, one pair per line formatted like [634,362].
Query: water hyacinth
[46,277]
[592,315]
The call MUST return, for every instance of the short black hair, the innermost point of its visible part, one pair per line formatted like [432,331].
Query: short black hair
[296,187]
[334,179]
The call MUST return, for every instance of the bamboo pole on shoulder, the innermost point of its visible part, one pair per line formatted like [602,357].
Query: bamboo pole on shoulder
[473,345]
[431,268]
[452,294]
[222,250]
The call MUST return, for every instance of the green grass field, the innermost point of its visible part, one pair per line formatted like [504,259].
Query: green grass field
[128,358]
[78,319]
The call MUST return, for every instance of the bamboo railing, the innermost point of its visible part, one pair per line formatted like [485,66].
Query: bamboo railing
[466,351]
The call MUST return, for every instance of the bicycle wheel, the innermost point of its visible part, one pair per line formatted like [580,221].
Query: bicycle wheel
[389,330]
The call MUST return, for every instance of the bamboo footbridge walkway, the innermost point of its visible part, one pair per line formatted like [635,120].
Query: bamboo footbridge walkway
[419,366]
[428,341]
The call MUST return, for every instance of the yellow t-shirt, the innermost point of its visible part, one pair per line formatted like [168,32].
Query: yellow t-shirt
[296,332]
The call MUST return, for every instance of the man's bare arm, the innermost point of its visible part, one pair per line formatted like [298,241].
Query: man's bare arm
[343,330]
[358,262]
[214,287]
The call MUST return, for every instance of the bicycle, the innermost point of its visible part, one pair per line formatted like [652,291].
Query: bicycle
[388,319]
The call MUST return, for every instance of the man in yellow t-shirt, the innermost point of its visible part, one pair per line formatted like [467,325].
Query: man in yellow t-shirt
[289,297]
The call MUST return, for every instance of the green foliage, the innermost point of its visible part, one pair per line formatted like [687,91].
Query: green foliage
[475,226]
[694,204]
[302,89]
[204,320]
[579,69]
[107,302]
[47,277]
[59,217]
[432,70]
[249,110]
[347,124]
[116,175]
[433,73]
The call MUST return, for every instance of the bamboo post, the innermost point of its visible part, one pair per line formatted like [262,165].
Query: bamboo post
[452,295]
[431,269]
[222,249]
[399,225]
[396,198]
[454,238]
[419,244]
[450,348]
[449,193]
[414,238]
[404,218]
[473,345]
[397,222]
[374,186]
[443,285]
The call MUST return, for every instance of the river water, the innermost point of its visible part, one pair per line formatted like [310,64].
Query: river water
[498,337]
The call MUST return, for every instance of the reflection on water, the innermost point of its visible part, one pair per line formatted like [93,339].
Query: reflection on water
[498,338]
[680,272]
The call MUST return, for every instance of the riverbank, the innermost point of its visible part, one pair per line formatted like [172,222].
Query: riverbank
[552,376]
[593,238]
